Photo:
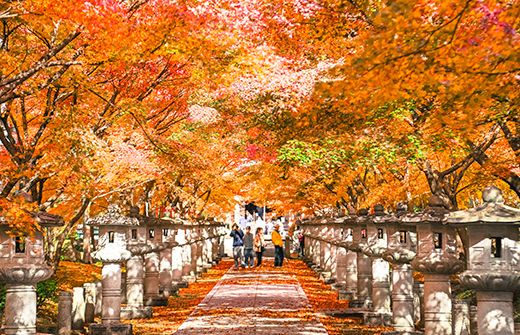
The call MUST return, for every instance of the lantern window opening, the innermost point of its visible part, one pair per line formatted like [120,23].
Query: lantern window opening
[111,236]
[19,245]
[134,234]
[166,231]
[437,240]
[349,232]
[151,233]
[402,236]
[496,247]
[380,233]
[363,233]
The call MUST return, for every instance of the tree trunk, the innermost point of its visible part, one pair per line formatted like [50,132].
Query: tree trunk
[55,237]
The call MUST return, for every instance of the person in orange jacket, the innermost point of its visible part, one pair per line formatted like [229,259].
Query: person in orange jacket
[278,245]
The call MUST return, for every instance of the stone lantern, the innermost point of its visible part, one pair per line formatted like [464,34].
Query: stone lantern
[493,262]
[349,292]
[364,262]
[159,236]
[374,248]
[437,258]
[112,251]
[136,237]
[22,266]
[401,250]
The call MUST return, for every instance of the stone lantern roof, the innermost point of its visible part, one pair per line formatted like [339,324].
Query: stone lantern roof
[48,220]
[113,217]
[436,212]
[44,219]
[492,211]
[165,221]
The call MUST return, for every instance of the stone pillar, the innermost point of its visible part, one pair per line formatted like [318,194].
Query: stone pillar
[418,303]
[364,280]
[90,301]
[461,318]
[199,263]
[402,297]
[152,296]
[351,275]
[111,312]
[165,272]
[380,285]
[123,287]
[473,322]
[324,250]
[135,281]
[332,262]
[65,313]
[99,299]
[20,311]
[341,265]
[135,308]
[207,251]
[111,305]
[194,259]
[177,264]
[437,304]
[78,308]
[495,313]
[20,300]
[187,272]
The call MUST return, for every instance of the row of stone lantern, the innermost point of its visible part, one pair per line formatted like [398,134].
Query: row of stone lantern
[160,255]
[371,247]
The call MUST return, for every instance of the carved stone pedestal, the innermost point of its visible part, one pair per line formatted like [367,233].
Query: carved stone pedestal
[20,301]
[494,300]
[135,308]
[152,296]
[364,282]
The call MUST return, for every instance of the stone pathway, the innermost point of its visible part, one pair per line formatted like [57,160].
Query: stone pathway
[252,302]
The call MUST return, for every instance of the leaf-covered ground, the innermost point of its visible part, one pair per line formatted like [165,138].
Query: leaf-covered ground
[166,320]
[323,299]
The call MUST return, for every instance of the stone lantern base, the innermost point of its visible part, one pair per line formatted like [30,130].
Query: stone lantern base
[128,313]
[110,329]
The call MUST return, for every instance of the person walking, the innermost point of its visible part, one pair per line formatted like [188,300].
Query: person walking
[259,245]
[248,248]
[278,245]
[238,244]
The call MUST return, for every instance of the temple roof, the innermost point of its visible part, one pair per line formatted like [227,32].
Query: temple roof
[113,217]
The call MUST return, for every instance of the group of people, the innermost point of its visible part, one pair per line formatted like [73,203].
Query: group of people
[245,244]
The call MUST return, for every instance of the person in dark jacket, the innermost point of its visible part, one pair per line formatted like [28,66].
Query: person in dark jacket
[238,245]
[248,248]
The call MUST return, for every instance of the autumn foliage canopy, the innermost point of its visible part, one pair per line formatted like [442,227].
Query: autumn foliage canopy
[304,105]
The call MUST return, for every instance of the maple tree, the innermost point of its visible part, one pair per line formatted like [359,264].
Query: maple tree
[419,88]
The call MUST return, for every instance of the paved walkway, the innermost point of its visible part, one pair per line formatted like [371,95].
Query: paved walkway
[254,303]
